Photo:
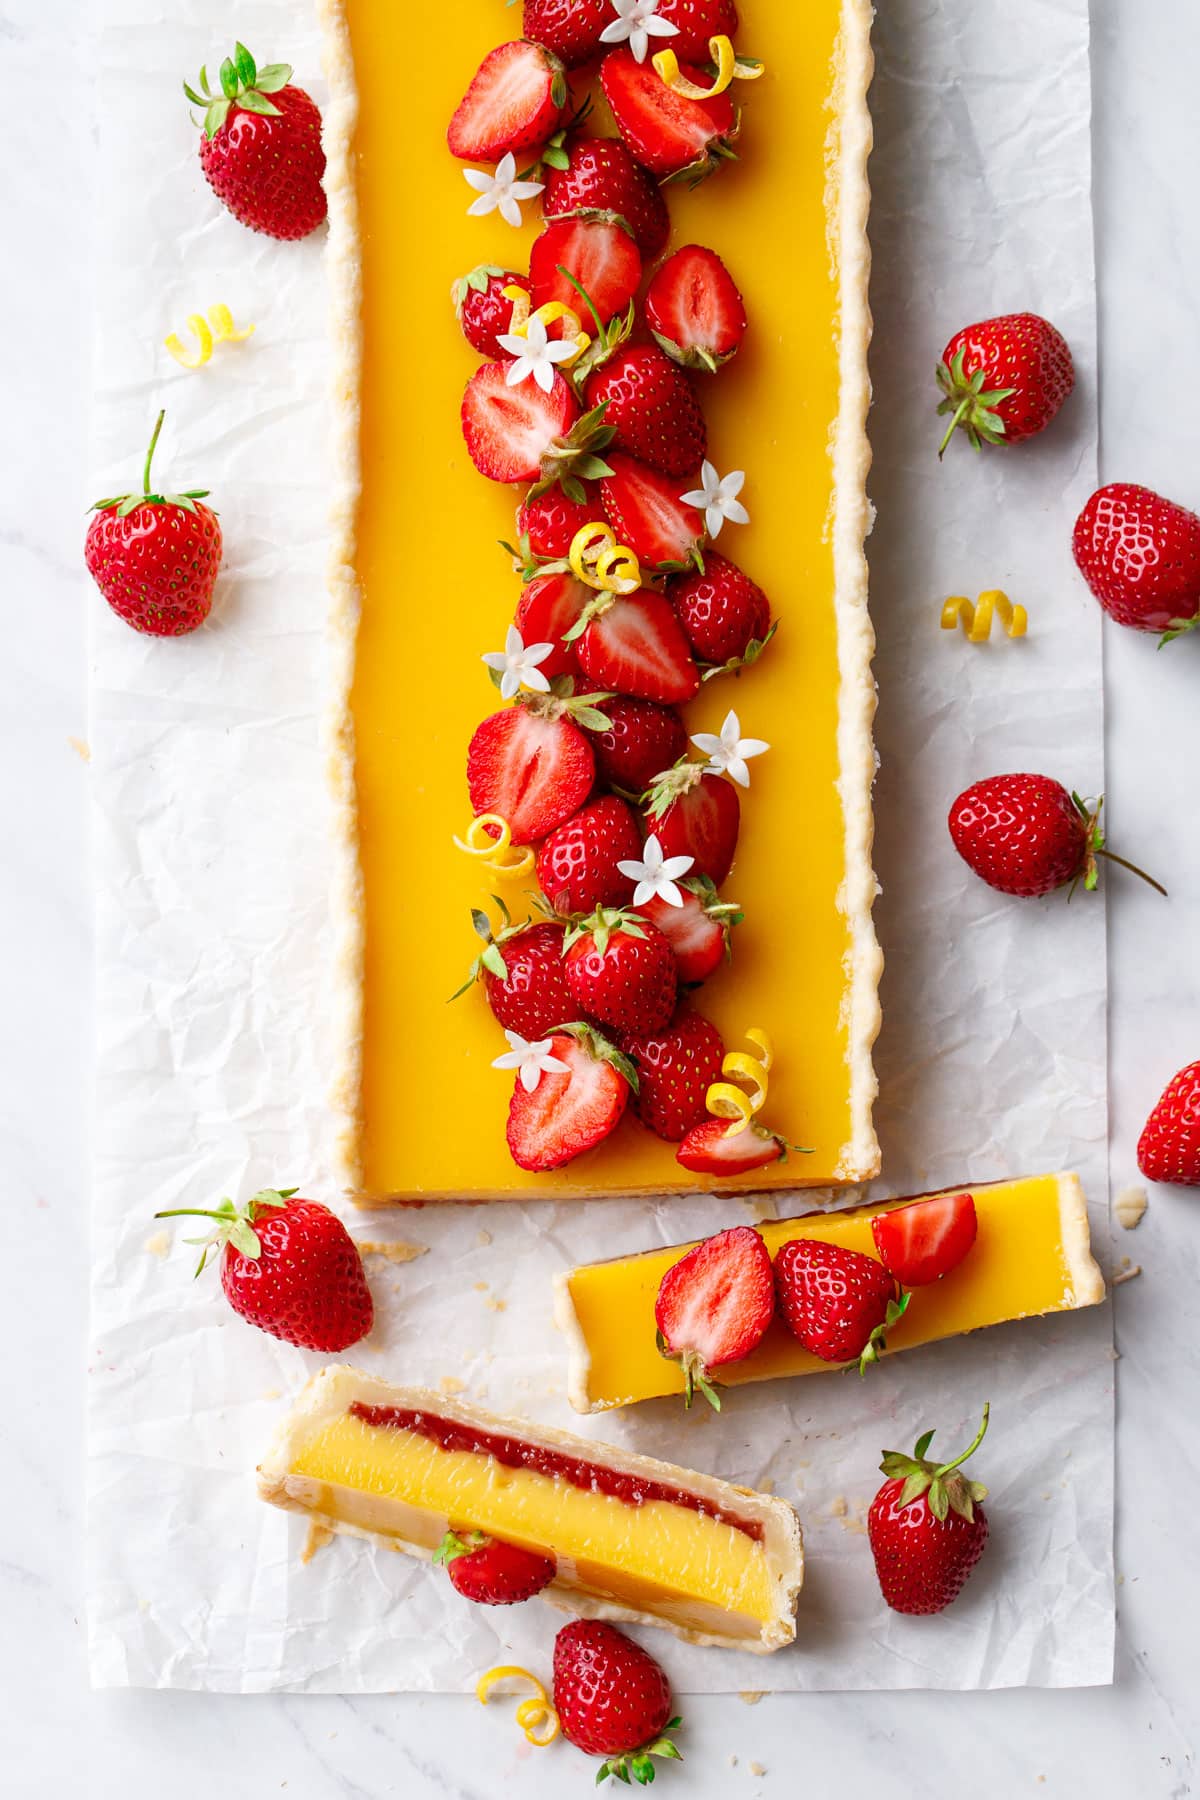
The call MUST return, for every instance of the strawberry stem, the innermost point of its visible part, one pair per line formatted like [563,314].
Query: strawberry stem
[971,1448]
[963,409]
[158,425]
[1112,856]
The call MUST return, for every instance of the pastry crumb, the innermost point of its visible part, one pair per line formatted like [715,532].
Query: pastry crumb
[760,1208]
[1126,1272]
[481,1287]
[757,1768]
[767,1485]
[318,1537]
[752,1696]
[483,1238]
[397,1251]
[159,1245]
[270,1394]
[450,1384]
[733,1761]
[81,747]
[838,1507]
[1129,1207]
[496,1305]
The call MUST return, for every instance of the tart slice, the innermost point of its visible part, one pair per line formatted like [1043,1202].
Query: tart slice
[1031,1255]
[632,1538]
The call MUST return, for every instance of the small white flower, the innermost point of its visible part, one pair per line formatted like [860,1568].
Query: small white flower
[501,190]
[535,354]
[729,753]
[718,496]
[656,875]
[531,1061]
[637,20]
[517,665]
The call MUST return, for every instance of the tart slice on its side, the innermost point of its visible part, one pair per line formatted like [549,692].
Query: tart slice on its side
[632,1538]
[1032,1255]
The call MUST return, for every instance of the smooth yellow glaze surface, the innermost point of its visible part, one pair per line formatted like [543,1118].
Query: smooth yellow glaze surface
[438,593]
[1017,1267]
[634,1553]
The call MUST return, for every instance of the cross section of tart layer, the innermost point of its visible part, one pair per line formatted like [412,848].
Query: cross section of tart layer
[1032,1256]
[632,1538]
[421,591]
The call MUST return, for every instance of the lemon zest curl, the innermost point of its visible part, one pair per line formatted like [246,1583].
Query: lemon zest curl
[498,853]
[535,1715]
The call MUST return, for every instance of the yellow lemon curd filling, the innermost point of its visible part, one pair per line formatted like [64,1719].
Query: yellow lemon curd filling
[653,1553]
[1031,1256]
[437,593]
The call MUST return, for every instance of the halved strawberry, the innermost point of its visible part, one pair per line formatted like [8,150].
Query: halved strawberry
[645,510]
[566,1115]
[696,813]
[601,176]
[484,310]
[650,405]
[698,931]
[676,1067]
[577,865]
[621,971]
[601,255]
[714,1306]
[694,309]
[516,99]
[706,1150]
[921,1243]
[524,434]
[642,739]
[571,28]
[547,523]
[549,607]
[531,764]
[668,134]
[695,22]
[726,617]
[633,644]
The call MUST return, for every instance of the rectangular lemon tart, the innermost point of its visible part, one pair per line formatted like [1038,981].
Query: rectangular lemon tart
[421,592]
[633,1538]
[1032,1255]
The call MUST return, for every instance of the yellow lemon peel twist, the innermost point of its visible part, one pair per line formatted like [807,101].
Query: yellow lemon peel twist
[499,853]
[977,618]
[218,328]
[742,1104]
[600,562]
[728,64]
[549,314]
[535,1715]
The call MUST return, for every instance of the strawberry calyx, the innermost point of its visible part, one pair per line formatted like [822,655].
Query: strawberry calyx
[127,503]
[735,664]
[696,1377]
[243,84]
[636,1765]
[234,1225]
[726,913]
[601,1049]
[573,459]
[1179,628]
[973,407]
[476,282]
[491,958]
[606,339]
[947,1489]
[456,1544]
[671,785]
[562,702]
[601,925]
[876,1344]
[1095,845]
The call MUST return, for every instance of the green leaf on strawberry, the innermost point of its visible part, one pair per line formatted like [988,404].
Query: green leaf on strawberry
[242,84]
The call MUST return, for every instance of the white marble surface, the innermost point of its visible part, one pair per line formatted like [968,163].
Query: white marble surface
[1133,1740]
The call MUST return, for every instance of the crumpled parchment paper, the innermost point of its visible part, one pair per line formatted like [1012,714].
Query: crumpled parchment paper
[213,936]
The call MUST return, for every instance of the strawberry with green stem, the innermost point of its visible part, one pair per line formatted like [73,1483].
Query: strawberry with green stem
[261,149]
[521,968]
[621,970]
[484,310]
[837,1303]
[1004,379]
[926,1527]
[1026,835]
[581,1085]
[613,1700]
[489,1571]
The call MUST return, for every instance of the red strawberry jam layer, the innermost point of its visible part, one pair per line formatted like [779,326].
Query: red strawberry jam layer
[516,1453]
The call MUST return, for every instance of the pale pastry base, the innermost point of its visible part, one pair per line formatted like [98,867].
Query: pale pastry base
[330,1394]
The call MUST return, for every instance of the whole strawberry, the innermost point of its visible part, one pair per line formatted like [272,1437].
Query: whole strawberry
[547,523]
[261,150]
[726,617]
[676,1067]
[612,1700]
[491,1572]
[1140,555]
[650,405]
[523,974]
[571,28]
[154,556]
[290,1267]
[1169,1147]
[714,1306]
[640,741]
[838,1303]
[601,176]
[621,970]
[1026,835]
[926,1527]
[484,310]
[577,866]
[1004,379]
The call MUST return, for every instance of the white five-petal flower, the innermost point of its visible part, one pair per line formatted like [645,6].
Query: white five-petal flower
[535,354]
[500,191]
[656,875]
[729,753]
[718,497]
[638,21]
[517,665]
[531,1061]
